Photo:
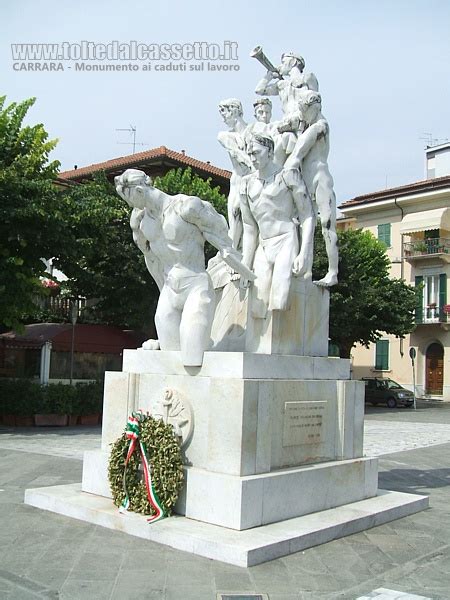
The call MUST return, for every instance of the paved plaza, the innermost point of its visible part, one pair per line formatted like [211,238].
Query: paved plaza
[45,555]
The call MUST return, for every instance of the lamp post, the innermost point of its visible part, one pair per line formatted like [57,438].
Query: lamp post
[412,354]
[73,318]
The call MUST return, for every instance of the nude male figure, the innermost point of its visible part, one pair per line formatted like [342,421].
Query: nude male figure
[233,141]
[310,155]
[284,142]
[171,232]
[273,201]
[295,81]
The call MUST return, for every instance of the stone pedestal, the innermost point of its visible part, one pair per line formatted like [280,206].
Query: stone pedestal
[273,437]
[273,448]
[300,330]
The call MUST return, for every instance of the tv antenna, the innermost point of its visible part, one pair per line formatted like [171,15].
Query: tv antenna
[132,130]
[432,141]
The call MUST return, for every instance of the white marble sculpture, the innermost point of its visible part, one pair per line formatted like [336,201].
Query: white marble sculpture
[288,82]
[171,232]
[310,155]
[234,143]
[273,201]
[284,141]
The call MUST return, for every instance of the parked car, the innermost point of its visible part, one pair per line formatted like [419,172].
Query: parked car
[387,391]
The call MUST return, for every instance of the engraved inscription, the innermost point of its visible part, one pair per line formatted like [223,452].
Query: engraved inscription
[303,422]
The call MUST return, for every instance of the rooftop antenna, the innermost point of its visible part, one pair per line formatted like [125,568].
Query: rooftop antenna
[132,130]
[432,141]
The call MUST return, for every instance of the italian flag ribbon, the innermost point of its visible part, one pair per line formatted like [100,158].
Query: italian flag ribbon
[132,432]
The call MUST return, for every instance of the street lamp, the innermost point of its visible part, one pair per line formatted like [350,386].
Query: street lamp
[73,318]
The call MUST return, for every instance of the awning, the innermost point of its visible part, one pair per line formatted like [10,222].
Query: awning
[438,218]
[88,338]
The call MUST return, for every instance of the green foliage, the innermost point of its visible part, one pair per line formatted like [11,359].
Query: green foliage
[88,399]
[100,258]
[56,398]
[19,397]
[25,397]
[184,181]
[164,454]
[366,302]
[29,214]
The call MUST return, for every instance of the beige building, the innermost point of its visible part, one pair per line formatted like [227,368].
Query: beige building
[414,223]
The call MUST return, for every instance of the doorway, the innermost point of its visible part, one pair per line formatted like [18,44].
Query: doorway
[434,382]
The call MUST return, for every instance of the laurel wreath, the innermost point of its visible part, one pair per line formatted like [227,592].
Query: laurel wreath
[164,454]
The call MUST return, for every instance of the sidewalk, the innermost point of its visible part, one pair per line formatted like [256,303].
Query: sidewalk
[45,555]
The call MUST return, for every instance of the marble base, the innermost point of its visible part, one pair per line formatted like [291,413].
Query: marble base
[302,329]
[237,365]
[247,426]
[245,502]
[243,548]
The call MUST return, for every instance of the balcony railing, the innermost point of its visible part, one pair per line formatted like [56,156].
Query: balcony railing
[433,314]
[427,247]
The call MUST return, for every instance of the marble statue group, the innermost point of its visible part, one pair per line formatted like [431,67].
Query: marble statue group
[280,185]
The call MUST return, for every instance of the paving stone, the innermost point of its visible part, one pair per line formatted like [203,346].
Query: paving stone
[79,560]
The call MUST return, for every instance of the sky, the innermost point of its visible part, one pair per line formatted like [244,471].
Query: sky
[383,70]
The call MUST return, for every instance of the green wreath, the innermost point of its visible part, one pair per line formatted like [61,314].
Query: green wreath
[164,455]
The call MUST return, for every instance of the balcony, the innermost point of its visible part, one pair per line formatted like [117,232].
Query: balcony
[434,315]
[427,248]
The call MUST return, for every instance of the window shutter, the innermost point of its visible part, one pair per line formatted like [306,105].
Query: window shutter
[382,355]
[384,233]
[419,305]
[442,293]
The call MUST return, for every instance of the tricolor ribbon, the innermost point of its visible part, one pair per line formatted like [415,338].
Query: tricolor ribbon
[132,432]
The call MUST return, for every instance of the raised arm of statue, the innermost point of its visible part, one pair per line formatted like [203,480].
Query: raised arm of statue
[229,140]
[265,88]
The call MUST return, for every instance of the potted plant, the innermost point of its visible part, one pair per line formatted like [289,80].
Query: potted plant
[27,396]
[8,416]
[90,401]
[420,247]
[55,405]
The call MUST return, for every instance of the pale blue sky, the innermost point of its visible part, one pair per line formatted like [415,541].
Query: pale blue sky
[383,70]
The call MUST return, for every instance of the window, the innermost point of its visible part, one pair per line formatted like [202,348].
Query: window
[434,297]
[382,355]
[384,234]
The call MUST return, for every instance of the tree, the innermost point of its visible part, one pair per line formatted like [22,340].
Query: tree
[28,212]
[100,258]
[366,302]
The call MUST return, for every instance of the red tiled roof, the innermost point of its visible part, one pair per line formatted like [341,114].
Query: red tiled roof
[397,192]
[133,160]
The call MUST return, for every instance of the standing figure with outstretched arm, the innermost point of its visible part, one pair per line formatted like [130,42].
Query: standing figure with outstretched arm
[274,200]
[310,155]
[293,83]
[171,232]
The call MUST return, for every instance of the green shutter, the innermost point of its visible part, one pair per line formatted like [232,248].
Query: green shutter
[384,234]
[419,305]
[382,355]
[442,295]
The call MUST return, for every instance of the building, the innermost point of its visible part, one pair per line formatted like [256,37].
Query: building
[154,162]
[414,222]
[60,352]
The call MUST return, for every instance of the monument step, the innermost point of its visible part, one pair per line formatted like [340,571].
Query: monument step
[242,548]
